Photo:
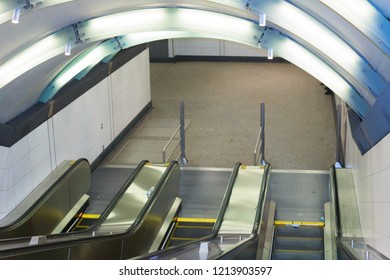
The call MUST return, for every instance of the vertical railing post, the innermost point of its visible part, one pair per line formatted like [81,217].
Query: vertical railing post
[262,124]
[338,137]
[183,159]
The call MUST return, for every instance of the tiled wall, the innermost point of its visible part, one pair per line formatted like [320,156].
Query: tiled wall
[212,47]
[372,182]
[81,130]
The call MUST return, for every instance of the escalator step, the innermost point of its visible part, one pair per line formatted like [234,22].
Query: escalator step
[86,221]
[302,231]
[297,255]
[298,243]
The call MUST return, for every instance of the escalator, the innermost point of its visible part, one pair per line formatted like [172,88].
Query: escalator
[127,228]
[237,224]
[60,196]
[300,197]
[298,241]
[188,229]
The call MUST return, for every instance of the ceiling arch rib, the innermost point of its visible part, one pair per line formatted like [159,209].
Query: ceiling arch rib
[7,7]
[363,45]
[297,54]
[308,29]
[79,67]
[365,17]
[153,24]
[91,31]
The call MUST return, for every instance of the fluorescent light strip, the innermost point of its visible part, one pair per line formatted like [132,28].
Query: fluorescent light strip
[365,17]
[317,36]
[195,23]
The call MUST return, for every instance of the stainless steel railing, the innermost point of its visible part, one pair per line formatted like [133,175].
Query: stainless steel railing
[258,152]
[166,158]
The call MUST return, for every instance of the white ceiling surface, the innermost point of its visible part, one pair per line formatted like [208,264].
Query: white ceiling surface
[37,23]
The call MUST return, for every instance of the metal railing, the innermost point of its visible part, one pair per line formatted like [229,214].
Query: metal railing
[258,152]
[166,159]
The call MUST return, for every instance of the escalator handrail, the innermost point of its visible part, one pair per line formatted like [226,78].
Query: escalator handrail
[158,188]
[239,247]
[133,228]
[35,206]
[336,201]
[118,195]
[262,196]
[226,199]
[217,224]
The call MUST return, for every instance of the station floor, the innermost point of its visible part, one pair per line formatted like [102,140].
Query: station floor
[222,100]
[222,112]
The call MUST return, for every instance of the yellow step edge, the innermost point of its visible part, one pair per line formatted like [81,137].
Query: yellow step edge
[182,238]
[179,226]
[195,220]
[91,216]
[301,223]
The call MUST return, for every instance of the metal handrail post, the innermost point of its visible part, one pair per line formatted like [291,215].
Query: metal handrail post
[338,136]
[262,124]
[183,158]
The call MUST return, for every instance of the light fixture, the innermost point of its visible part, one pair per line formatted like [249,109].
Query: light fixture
[262,19]
[16,16]
[270,53]
[68,49]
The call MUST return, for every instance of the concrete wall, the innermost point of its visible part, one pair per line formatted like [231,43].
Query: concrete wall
[81,130]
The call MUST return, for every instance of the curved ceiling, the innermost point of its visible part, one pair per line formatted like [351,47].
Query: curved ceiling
[344,46]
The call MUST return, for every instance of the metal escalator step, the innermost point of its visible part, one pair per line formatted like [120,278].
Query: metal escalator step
[297,255]
[301,231]
[86,221]
[298,243]
[191,232]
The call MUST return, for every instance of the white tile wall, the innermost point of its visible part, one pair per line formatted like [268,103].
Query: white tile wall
[74,132]
[236,49]
[208,47]
[372,183]
[130,92]
[213,47]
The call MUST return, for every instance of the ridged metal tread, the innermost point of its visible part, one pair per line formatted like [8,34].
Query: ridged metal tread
[298,243]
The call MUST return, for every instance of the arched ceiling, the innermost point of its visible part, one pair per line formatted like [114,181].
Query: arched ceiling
[343,43]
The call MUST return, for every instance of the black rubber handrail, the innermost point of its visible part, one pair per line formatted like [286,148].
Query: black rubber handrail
[217,224]
[35,206]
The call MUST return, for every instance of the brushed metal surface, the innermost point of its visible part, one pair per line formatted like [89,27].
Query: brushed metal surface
[64,187]
[133,200]
[240,214]
[135,240]
[349,212]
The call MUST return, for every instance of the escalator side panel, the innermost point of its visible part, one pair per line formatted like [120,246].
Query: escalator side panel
[136,240]
[143,239]
[67,186]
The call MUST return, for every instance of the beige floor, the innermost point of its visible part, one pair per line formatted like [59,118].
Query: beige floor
[222,99]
